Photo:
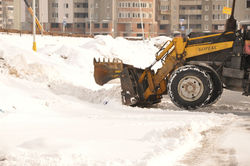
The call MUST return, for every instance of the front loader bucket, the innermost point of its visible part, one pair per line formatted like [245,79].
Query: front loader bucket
[106,71]
[132,90]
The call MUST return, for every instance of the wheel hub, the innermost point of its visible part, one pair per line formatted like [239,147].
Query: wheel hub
[190,88]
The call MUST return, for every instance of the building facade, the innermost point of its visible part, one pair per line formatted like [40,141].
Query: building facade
[135,18]
[242,12]
[6,14]
[187,16]
[125,17]
[81,16]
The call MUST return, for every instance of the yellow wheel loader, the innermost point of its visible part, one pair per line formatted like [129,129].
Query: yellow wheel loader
[194,71]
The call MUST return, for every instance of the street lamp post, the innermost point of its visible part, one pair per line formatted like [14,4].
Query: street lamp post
[34,25]
[227,6]
[90,19]
[142,27]
[113,18]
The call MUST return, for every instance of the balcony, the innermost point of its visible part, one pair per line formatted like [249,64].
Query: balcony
[80,10]
[165,12]
[80,20]
[190,12]
[164,2]
[192,21]
[191,2]
[164,22]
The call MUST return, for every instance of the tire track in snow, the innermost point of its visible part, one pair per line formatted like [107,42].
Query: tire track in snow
[223,146]
[210,152]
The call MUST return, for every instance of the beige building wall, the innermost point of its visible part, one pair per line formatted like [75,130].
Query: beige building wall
[65,11]
[242,11]
[17,15]
[1,14]
[43,11]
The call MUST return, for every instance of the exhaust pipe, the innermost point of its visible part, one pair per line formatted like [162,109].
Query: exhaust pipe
[231,22]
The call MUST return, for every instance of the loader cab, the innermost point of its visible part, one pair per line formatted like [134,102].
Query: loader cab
[244,27]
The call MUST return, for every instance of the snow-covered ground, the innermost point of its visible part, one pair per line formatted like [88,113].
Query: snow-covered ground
[53,113]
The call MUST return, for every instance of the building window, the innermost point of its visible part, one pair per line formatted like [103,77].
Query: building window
[164,8]
[54,25]
[248,3]
[206,18]
[139,26]
[80,25]
[85,5]
[10,8]
[125,15]
[206,7]
[219,27]
[162,27]
[81,5]
[206,27]
[198,17]
[96,25]
[67,15]
[69,26]
[55,5]
[55,15]
[81,15]
[105,25]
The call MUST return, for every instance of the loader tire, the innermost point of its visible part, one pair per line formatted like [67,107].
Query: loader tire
[217,86]
[190,87]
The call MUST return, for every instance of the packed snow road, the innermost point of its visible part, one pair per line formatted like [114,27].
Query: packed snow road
[53,113]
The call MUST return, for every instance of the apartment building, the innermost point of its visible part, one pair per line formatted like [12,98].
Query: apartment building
[218,17]
[183,16]
[197,15]
[135,18]
[90,17]
[6,14]
[93,17]
[101,17]
[126,17]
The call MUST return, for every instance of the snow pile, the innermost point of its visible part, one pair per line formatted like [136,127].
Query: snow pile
[53,113]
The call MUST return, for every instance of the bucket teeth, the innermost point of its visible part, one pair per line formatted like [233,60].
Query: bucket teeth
[108,60]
